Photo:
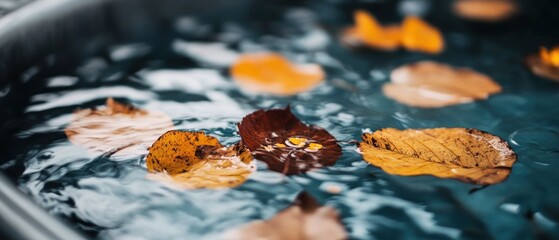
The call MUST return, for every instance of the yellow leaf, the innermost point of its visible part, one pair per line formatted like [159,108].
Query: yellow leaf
[116,127]
[196,160]
[468,155]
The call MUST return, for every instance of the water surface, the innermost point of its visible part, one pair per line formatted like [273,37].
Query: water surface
[185,76]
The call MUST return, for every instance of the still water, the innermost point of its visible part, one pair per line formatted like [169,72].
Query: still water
[185,76]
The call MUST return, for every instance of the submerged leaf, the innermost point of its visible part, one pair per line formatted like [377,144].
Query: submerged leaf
[196,160]
[119,128]
[286,144]
[305,220]
[431,84]
[545,64]
[485,10]
[468,155]
[272,73]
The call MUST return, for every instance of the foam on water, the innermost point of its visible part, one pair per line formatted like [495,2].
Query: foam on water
[212,54]
[46,101]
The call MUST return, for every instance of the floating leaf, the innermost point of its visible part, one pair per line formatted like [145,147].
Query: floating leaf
[119,128]
[368,31]
[550,57]
[485,10]
[468,155]
[272,73]
[418,35]
[196,160]
[545,64]
[414,34]
[431,84]
[305,220]
[286,144]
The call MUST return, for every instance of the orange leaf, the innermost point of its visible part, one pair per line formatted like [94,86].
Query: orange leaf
[117,127]
[370,32]
[545,64]
[286,144]
[468,155]
[550,57]
[196,160]
[485,10]
[178,152]
[305,220]
[431,84]
[414,34]
[418,35]
[271,73]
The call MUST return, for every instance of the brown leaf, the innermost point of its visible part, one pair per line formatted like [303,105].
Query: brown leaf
[469,155]
[117,127]
[272,73]
[286,144]
[430,84]
[196,160]
[485,10]
[305,220]
[545,64]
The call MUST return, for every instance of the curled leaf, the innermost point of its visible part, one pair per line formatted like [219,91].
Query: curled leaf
[431,84]
[196,160]
[116,127]
[485,10]
[545,64]
[272,73]
[468,155]
[286,144]
[418,35]
[368,31]
[305,220]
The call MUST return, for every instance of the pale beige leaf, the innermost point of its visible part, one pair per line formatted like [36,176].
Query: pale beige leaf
[116,127]
[431,84]
[306,220]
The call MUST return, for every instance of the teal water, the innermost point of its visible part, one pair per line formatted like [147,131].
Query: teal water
[185,76]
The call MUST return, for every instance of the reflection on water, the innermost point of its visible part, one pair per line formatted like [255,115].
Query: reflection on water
[114,199]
